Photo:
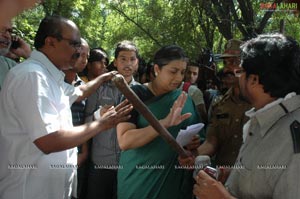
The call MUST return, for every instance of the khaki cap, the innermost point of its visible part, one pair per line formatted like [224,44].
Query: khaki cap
[232,48]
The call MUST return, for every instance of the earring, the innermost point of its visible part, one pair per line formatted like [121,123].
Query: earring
[155,74]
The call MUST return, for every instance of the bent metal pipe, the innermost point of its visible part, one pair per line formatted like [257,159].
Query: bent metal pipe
[120,83]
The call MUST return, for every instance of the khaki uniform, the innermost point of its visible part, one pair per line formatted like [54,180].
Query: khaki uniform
[269,163]
[226,124]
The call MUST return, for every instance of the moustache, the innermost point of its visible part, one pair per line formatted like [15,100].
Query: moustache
[127,68]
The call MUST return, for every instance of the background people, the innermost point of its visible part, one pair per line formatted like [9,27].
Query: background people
[96,66]
[78,117]
[189,86]
[105,152]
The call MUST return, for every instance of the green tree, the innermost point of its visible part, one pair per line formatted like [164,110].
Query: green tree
[243,15]
[192,24]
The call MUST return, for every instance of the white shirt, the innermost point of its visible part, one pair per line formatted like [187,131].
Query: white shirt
[268,165]
[35,101]
[252,112]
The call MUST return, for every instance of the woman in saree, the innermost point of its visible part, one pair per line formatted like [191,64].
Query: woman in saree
[148,165]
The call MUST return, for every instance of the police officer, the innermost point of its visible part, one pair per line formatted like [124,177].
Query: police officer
[224,133]
[268,162]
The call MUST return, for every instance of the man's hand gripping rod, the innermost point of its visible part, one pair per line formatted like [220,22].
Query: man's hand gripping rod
[119,81]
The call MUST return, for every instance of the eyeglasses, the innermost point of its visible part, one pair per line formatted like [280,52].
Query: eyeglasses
[238,72]
[75,44]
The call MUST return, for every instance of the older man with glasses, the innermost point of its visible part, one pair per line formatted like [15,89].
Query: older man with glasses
[22,50]
[37,139]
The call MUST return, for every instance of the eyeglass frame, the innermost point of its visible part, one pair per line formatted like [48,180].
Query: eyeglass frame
[238,72]
[75,44]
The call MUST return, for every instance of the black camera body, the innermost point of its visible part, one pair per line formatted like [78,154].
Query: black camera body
[15,44]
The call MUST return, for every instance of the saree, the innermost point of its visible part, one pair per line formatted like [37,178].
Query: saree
[152,171]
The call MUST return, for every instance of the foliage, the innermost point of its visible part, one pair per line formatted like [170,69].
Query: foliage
[192,24]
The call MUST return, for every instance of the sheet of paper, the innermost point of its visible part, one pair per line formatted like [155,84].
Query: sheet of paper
[185,136]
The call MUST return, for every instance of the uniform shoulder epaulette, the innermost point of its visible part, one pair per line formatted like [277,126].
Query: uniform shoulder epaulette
[295,130]
[223,98]
[217,100]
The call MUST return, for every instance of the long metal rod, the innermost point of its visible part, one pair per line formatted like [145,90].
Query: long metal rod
[119,81]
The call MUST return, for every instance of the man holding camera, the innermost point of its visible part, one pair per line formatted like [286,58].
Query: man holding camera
[22,49]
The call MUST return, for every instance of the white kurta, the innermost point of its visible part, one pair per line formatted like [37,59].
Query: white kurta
[34,102]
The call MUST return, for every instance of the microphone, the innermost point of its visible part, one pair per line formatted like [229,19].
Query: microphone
[202,162]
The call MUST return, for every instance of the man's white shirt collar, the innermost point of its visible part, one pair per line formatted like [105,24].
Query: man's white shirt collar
[252,113]
[57,74]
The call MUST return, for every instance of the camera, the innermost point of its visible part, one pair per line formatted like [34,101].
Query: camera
[15,44]
[212,172]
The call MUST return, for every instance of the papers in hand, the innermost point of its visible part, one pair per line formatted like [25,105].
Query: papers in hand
[185,136]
